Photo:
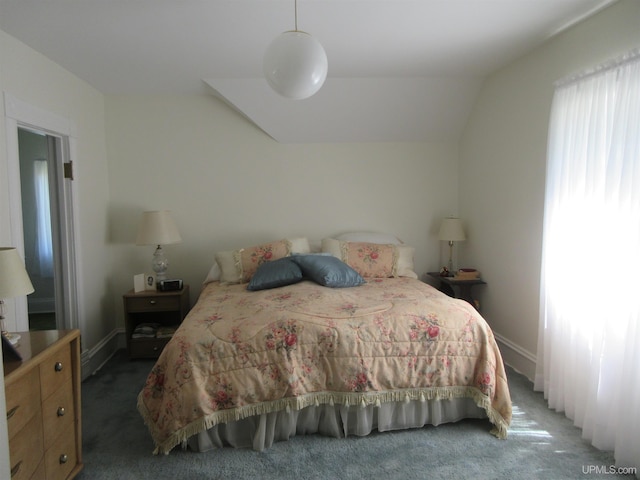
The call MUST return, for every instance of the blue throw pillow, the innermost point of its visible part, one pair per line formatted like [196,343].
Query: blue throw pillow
[328,271]
[276,273]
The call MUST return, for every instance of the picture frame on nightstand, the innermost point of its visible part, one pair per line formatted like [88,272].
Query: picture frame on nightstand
[144,282]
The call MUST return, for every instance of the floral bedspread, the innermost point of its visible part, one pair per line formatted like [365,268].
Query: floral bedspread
[241,353]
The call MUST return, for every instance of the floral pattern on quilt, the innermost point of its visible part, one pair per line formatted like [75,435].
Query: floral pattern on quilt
[241,353]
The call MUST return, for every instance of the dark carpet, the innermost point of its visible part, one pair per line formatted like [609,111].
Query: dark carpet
[542,444]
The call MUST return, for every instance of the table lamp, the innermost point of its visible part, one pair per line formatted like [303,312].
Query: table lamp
[14,282]
[158,228]
[451,231]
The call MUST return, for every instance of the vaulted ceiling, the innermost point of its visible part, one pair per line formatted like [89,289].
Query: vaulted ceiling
[398,70]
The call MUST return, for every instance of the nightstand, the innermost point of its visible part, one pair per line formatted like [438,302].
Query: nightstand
[458,288]
[161,311]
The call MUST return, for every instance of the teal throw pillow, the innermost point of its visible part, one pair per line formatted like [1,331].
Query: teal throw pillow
[276,273]
[328,271]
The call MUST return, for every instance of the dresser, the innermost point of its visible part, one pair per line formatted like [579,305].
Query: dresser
[43,406]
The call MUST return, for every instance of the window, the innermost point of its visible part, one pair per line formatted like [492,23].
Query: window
[44,247]
[589,343]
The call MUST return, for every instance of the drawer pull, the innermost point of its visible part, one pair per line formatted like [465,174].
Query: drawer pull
[12,412]
[63,458]
[16,469]
[61,411]
[58,367]
[152,302]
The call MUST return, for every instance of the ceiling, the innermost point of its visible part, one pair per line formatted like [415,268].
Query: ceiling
[398,70]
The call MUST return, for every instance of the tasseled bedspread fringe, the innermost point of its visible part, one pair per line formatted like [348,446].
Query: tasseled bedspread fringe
[347,399]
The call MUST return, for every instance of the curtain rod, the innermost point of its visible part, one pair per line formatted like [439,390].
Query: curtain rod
[628,57]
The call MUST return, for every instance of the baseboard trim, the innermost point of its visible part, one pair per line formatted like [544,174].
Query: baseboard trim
[518,358]
[94,358]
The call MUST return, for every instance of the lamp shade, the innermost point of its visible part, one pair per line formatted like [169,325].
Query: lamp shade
[295,65]
[14,280]
[157,228]
[451,230]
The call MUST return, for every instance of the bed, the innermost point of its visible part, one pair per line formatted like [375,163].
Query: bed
[283,342]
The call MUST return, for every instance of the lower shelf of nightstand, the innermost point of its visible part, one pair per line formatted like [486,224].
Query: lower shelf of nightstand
[146,347]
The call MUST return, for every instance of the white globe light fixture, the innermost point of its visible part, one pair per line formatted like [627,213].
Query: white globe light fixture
[295,64]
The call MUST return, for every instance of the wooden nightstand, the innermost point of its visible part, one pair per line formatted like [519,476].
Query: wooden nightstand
[166,309]
[458,288]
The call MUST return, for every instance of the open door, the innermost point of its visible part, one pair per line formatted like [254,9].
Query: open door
[39,156]
[39,146]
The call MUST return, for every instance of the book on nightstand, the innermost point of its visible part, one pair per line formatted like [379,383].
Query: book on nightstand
[467,274]
[145,330]
[165,332]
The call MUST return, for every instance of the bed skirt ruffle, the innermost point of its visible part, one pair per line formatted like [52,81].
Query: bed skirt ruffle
[259,432]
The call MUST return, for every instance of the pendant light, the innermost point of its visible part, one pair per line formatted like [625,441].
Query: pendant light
[295,64]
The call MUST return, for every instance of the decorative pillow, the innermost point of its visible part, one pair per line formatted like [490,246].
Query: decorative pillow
[238,266]
[277,273]
[373,259]
[328,271]
[369,237]
[251,258]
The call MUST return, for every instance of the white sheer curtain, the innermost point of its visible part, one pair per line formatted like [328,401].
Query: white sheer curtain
[44,246]
[589,339]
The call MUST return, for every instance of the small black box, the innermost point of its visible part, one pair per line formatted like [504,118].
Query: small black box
[169,285]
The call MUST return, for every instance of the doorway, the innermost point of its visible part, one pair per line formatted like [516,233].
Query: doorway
[47,139]
[38,156]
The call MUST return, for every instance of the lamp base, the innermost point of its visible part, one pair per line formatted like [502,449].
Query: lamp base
[160,264]
[451,257]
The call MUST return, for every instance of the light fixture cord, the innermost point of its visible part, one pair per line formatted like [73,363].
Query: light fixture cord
[295,10]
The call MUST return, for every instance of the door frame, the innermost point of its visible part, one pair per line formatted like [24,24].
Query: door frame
[19,114]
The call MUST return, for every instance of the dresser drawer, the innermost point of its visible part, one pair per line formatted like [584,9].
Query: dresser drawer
[157,303]
[60,458]
[23,401]
[39,474]
[55,370]
[57,413]
[26,449]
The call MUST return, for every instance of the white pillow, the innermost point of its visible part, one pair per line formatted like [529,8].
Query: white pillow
[369,237]
[213,275]
[405,261]
[299,245]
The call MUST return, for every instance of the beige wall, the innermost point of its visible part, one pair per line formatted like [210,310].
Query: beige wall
[230,185]
[502,169]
